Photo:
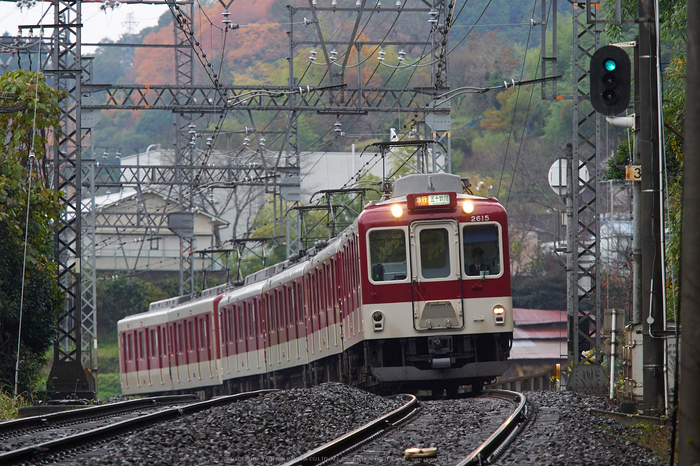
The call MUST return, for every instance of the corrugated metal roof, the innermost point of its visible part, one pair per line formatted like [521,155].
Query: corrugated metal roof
[537,316]
[539,334]
[558,333]
[528,349]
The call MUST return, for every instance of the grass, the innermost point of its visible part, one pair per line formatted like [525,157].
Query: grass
[657,438]
[108,385]
[108,371]
[9,406]
[108,358]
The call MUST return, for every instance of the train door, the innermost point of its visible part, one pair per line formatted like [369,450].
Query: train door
[300,320]
[334,305]
[272,346]
[259,332]
[436,273]
[164,363]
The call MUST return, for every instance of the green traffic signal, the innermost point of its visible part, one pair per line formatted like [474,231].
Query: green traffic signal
[610,77]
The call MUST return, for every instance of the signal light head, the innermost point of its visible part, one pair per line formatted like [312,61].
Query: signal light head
[610,80]
[609,96]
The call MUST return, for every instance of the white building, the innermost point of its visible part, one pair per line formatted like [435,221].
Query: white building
[145,242]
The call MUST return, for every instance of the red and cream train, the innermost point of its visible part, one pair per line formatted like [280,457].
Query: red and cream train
[389,304]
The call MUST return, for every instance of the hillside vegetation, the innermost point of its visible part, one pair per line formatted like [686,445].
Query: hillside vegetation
[505,139]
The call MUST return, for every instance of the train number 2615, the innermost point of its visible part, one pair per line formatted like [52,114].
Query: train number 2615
[479,218]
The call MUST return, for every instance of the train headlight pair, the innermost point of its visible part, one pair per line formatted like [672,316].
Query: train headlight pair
[499,314]
[397,210]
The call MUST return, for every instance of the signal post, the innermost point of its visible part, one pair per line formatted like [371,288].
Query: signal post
[610,82]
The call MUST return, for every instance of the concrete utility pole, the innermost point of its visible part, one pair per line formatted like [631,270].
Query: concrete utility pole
[689,407]
[651,207]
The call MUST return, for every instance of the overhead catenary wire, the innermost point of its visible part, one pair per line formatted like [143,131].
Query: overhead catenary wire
[30,159]
[512,123]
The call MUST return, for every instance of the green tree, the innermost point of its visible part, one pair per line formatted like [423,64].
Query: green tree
[543,286]
[24,132]
[119,298]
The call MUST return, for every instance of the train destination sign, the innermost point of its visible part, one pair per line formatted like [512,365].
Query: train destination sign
[432,199]
[418,201]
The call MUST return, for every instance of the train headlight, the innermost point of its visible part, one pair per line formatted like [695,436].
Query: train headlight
[396,210]
[468,207]
[499,314]
[378,321]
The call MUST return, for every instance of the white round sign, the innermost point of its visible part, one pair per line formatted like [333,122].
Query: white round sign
[557,176]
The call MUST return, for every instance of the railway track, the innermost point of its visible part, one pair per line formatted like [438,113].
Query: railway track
[57,436]
[384,441]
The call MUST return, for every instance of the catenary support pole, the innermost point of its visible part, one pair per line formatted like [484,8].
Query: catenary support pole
[689,401]
[652,255]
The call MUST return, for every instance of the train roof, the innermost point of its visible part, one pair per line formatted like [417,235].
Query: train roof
[429,182]
[243,292]
[319,252]
[178,300]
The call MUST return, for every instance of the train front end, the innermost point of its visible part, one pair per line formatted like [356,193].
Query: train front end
[436,296]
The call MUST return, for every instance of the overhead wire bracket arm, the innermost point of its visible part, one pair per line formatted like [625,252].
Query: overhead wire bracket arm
[439,100]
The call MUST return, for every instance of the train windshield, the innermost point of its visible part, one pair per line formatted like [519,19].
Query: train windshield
[435,253]
[387,255]
[482,249]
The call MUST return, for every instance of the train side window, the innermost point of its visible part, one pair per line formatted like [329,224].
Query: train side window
[154,343]
[203,333]
[387,255]
[279,311]
[130,348]
[141,355]
[190,335]
[251,320]
[482,249]
[163,342]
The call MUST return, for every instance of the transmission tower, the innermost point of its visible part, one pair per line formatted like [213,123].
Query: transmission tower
[67,373]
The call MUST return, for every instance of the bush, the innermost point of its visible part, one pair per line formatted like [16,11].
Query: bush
[108,385]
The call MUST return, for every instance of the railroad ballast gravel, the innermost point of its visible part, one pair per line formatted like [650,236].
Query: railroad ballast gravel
[280,426]
[564,432]
[267,430]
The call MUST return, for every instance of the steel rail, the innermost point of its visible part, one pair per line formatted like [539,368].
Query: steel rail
[44,421]
[493,445]
[354,438]
[113,430]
